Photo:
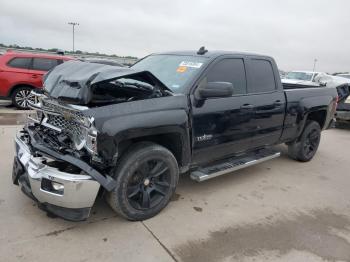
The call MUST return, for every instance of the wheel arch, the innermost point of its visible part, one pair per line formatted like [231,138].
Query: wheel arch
[168,128]
[16,86]
[319,116]
[175,142]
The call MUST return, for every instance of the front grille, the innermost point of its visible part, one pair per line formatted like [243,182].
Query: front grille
[69,120]
[66,125]
[76,115]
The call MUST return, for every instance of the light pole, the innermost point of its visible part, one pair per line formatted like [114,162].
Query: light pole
[315,61]
[73,24]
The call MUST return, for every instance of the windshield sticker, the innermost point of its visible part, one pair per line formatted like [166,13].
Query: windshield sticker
[181,69]
[191,64]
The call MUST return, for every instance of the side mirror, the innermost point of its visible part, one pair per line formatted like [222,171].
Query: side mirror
[215,89]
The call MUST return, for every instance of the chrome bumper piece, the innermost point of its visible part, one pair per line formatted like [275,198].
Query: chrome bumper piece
[79,190]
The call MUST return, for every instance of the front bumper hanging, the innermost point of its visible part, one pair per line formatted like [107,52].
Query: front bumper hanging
[67,195]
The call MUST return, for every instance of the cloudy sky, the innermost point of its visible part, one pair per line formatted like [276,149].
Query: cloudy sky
[295,32]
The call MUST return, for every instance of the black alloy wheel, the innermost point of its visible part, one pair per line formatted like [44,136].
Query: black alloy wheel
[305,147]
[149,184]
[146,176]
[311,142]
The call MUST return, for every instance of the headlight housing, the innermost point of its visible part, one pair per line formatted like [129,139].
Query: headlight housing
[91,142]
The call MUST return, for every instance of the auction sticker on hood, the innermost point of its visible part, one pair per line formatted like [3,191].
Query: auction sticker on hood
[190,64]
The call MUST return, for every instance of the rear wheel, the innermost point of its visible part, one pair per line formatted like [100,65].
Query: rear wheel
[146,179]
[306,146]
[22,96]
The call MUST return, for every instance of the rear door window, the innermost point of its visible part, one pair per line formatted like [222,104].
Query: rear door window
[44,64]
[262,76]
[230,70]
[20,62]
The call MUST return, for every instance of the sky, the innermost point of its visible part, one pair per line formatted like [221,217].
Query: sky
[293,32]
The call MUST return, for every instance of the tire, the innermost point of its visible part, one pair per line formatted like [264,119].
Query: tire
[305,147]
[21,96]
[145,169]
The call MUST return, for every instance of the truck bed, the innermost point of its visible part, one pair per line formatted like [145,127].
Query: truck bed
[303,100]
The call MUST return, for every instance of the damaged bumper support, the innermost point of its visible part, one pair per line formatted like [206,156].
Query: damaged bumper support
[67,195]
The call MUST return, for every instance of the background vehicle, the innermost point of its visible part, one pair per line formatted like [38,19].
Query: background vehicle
[344,75]
[302,77]
[343,112]
[104,62]
[130,132]
[22,72]
[324,80]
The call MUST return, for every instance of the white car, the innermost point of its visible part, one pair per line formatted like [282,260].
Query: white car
[307,79]
[344,75]
[303,77]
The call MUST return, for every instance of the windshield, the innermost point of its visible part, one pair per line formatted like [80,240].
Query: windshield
[173,70]
[299,76]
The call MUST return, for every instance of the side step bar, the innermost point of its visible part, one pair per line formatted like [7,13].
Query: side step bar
[233,164]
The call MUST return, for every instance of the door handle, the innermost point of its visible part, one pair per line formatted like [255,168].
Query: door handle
[247,106]
[278,103]
[35,76]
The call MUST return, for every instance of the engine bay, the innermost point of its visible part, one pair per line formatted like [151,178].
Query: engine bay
[121,91]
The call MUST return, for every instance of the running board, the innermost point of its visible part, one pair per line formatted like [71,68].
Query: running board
[233,164]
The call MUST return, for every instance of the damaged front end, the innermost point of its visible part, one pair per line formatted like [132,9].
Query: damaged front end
[57,159]
[65,127]
[59,187]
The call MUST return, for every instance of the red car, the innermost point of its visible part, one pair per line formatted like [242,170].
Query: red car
[22,72]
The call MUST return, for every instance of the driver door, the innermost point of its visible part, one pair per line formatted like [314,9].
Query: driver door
[223,126]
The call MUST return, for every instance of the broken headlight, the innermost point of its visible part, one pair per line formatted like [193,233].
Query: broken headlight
[91,135]
[91,142]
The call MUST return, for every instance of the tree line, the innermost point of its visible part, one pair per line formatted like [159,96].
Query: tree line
[15,46]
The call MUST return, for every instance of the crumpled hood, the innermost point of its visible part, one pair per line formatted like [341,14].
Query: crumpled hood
[72,80]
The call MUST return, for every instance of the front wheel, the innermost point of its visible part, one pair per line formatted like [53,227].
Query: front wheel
[306,146]
[146,177]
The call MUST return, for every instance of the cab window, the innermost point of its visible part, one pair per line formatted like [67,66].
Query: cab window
[230,70]
[263,79]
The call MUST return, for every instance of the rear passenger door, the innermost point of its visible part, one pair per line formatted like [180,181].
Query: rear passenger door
[39,67]
[267,97]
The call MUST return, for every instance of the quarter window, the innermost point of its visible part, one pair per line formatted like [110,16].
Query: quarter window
[44,64]
[263,79]
[19,62]
[230,70]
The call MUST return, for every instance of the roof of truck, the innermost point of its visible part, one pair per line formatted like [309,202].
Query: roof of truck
[209,54]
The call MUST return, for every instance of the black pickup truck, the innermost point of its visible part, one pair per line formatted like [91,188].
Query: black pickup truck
[128,133]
